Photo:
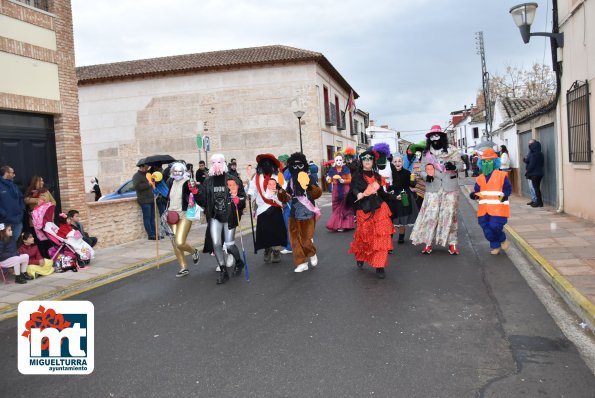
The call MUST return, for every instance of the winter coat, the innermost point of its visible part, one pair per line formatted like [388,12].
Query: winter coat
[144,190]
[8,249]
[314,171]
[534,161]
[12,205]
[206,200]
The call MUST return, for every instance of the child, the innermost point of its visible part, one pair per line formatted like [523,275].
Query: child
[37,264]
[492,189]
[75,220]
[10,258]
[74,239]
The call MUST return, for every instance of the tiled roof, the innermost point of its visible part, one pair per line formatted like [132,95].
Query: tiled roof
[516,106]
[207,61]
[478,117]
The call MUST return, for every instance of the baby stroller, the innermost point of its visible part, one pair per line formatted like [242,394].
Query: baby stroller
[63,255]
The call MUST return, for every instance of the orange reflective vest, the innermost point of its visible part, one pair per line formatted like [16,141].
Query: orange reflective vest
[490,193]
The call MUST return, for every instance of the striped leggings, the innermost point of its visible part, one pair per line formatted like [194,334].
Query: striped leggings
[19,263]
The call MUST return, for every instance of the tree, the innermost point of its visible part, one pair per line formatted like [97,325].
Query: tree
[537,81]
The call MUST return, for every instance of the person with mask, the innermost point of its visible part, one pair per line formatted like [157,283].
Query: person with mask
[438,216]
[340,176]
[492,189]
[181,193]
[223,198]
[303,215]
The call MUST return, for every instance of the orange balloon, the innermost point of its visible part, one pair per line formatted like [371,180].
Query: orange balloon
[281,178]
[303,179]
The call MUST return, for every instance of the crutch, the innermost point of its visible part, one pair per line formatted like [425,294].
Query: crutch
[242,243]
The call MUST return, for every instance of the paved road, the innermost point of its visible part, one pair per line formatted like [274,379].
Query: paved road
[437,326]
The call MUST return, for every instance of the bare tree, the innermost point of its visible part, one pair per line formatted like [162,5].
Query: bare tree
[537,81]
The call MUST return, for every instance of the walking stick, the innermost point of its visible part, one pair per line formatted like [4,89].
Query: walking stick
[252,224]
[243,250]
[156,229]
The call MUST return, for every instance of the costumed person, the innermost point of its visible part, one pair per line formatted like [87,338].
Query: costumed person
[492,189]
[223,198]
[37,264]
[287,206]
[340,176]
[420,183]
[383,164]
[409,158]
[304,214]
[372,239]
[180,196]
[265,187]
[406,210]
[438,216]
[349,157]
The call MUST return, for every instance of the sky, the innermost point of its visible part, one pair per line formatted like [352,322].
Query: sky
[411,61]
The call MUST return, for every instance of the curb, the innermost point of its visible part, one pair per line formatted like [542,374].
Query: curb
[581,305]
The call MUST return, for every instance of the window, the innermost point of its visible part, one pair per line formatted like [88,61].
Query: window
[579,136]
[475,132]
[337,111]
[327,112]
[41,4]
[351,128]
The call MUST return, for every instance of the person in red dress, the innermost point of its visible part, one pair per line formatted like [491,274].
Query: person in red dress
[372,239]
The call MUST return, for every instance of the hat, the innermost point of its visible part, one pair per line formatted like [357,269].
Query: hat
[489,154]
[283,158]
[436,129]
[268,156]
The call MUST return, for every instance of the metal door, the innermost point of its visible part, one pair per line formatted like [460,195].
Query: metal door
[549,187]
[27,144]
[524,139]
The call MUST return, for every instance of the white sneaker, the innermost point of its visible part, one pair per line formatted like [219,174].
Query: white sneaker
[230,261]
[218,269]
[301,268]
[285,251]
[314,260]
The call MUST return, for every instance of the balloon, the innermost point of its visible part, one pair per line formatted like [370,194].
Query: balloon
[281,178]
[157,176]
[150,179]
[303,179]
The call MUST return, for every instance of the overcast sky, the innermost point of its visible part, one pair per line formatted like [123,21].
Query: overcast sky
[411,61]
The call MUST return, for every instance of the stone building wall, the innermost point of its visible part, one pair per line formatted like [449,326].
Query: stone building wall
[115,222]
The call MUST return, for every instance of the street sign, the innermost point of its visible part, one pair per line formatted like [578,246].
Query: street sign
[199,141]
[206,142]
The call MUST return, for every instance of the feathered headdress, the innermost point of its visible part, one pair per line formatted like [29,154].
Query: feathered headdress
[349,153]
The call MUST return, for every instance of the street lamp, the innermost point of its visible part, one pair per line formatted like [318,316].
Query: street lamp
[299,115]
[523,16]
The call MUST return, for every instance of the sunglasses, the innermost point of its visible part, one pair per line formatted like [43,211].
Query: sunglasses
[367,157]
[298,166]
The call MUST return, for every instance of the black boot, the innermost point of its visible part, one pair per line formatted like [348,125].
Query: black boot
[360,264]
[237,269]
[401,238]
[267,255]
[223,275]
[276,256]
[20,279]
[537,204]
[380,273]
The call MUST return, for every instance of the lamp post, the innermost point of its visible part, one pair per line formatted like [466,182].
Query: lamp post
[523,16]
[299,115]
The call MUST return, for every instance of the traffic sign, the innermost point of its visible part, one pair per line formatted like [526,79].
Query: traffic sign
[206,142]
[199,141]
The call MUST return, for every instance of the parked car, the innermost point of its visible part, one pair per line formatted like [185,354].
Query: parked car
[125,190]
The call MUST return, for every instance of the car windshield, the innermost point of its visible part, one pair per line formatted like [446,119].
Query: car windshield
[128,187]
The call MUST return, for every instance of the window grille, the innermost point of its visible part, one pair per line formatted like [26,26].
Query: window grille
[41,4]
[579,129]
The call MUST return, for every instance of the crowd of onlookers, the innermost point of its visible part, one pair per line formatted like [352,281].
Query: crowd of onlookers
[30,243]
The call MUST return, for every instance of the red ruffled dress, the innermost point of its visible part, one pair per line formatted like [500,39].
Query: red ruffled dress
[372,239]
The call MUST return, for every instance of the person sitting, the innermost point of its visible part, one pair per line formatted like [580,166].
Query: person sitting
[36,194]
[10,257]
[74,220]
[74,239]
[37,264]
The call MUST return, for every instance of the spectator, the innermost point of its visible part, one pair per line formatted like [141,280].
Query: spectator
[12,205]
[202,173]
[474,165]
[233,168]
[534,172]
[37,264]
[95,188]
[504,158]
[313,171]
[10,257]
[144,197]
[36,194]
[74,219]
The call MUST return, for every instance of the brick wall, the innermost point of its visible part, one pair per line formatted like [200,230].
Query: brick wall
[115,222]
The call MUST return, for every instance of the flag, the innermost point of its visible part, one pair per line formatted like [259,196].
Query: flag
[351,103]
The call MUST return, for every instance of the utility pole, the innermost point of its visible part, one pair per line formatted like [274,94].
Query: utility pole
[485,79]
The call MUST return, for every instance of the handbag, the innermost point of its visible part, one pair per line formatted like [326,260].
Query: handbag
[172,217]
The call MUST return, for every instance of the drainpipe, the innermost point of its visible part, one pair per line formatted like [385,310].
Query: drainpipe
[558,102]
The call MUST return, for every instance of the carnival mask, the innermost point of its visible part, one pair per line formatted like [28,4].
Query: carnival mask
[218,165]
[487,166]
[339,161]
[418,155]
[398,163]
[435,137]
[178,171]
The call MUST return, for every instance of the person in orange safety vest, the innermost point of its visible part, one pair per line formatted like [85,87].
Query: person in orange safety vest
[492,189]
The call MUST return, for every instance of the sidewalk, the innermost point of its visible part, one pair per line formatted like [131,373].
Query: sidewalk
[110,264]
[562,245]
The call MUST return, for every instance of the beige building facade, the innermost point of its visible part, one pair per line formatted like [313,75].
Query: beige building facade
[244,100]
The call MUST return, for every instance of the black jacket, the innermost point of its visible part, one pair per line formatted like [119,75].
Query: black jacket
[206,200]
[8,249]
[367,203]
[534,161]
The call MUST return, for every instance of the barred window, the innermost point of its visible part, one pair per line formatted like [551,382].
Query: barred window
[579,129]
[41,4]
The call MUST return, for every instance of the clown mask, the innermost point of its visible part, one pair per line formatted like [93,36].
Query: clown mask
[218,165]
[398,162]
[178,171]
[487,166]
[417,156]
[339,161]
